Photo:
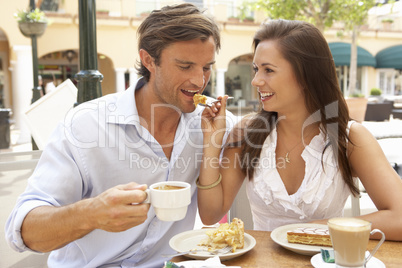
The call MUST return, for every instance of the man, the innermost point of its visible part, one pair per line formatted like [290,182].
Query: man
[83,201]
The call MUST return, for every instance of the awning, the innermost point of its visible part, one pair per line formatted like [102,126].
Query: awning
[341,54]
[390,57]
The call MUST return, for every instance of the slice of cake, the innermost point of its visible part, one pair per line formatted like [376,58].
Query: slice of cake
[198,98]
[226,234]
[310,236]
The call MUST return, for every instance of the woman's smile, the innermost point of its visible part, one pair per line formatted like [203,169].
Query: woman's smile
[266,95]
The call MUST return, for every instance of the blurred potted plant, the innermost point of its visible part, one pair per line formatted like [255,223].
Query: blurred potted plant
[248,19]
[375,92]
[102,12]
[31,22]
[375,95]
[233,19]
[357,105]
[387,23]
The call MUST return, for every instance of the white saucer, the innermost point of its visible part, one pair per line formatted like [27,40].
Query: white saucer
[317,262]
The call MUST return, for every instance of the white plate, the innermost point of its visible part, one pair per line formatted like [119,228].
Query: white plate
[189,240]
[317,262]
[279,235]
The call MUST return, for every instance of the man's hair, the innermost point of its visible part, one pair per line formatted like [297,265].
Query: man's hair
[172,24]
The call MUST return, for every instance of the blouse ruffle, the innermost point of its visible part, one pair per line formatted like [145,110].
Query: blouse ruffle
[321,185]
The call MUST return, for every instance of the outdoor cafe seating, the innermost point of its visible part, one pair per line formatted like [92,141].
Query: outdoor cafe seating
[379,111]
[16,167]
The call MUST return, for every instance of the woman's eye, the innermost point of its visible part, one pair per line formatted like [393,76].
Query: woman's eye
[255,69]
[267,70]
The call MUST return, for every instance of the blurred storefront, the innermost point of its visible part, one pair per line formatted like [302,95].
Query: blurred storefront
[117,22]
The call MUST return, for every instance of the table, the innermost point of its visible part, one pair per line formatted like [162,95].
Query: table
[267,253]
[19,160]
[386,129]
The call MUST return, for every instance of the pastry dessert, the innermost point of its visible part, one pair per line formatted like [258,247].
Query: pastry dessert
[226,234]
[198,98]
[310,236]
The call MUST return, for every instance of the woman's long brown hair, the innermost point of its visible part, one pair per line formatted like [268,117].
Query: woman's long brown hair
[306,49]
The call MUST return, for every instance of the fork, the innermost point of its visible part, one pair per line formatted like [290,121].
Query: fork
[222,250]
[183,253]
[214,252]
[209,102]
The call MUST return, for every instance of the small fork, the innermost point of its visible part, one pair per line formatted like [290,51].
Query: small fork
[222,250]
[209,102]
[215,252]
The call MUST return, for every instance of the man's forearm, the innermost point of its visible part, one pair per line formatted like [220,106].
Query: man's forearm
[48,228]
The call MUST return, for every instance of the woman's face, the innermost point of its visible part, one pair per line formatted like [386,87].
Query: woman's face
[275,80]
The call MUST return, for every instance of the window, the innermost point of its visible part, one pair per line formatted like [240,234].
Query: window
[145,6]
[343,79]
[389,82]
[232,10]
[50,5]
[198,3]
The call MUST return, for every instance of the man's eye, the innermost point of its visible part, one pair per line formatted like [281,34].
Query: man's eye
[206,69]
[184,67]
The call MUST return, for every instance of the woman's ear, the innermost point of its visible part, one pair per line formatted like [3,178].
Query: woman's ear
[147,60]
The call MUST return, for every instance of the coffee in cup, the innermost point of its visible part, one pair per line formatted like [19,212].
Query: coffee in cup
[169,187]
[169,199]
[350,237]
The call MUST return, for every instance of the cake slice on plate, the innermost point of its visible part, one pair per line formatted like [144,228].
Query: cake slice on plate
[310,236]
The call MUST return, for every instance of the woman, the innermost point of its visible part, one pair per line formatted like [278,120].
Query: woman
[300,155]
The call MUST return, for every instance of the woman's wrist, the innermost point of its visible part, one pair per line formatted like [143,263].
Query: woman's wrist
[209,186]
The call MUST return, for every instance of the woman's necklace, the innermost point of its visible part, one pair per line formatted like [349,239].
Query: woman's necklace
[287,157]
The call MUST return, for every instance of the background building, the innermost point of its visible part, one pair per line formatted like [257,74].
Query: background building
[379,51]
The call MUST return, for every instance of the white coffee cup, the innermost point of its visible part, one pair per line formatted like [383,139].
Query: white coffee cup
[169,199]
[350,237]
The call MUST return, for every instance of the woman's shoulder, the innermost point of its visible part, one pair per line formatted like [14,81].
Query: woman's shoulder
[357,129]
[360,136]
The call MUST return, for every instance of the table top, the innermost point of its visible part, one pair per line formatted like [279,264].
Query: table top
[384,129]
[267,253]
[19,160]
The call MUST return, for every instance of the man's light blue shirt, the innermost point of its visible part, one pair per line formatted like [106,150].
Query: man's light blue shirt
[99,145]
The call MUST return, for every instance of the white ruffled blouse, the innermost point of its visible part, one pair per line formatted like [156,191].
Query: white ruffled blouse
[322,194]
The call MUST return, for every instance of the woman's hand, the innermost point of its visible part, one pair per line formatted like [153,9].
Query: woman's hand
[213,121]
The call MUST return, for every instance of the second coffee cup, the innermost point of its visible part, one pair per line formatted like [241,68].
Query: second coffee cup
[350,237]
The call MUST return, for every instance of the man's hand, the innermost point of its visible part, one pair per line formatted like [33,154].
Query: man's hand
[119,208]
[48,228]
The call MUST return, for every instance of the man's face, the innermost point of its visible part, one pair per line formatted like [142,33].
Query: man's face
[184,70]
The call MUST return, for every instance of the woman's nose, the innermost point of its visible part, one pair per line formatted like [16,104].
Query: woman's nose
[257,82]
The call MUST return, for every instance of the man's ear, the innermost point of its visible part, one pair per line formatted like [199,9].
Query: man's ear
[147,60]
